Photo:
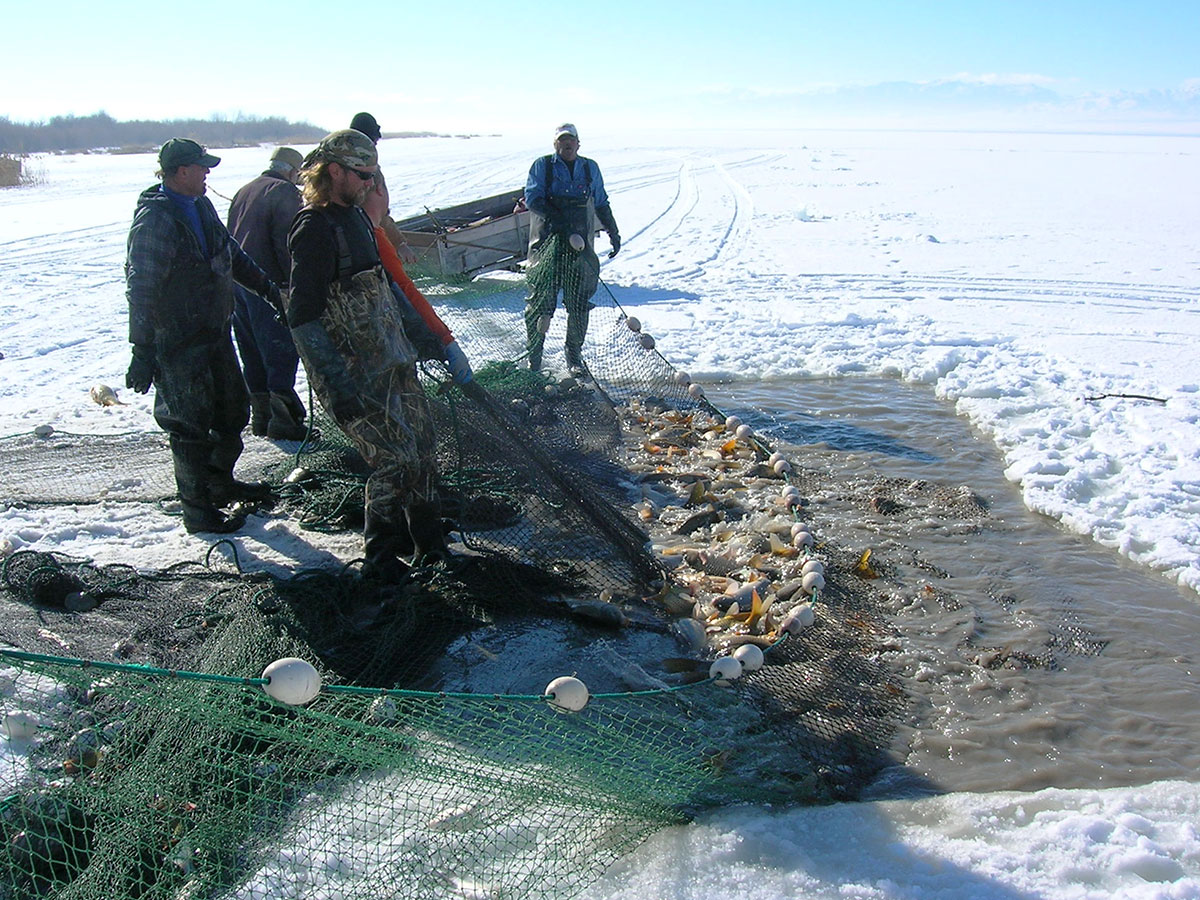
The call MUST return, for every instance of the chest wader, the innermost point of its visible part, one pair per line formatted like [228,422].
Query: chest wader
[200,396]
[395,436]
[557,266]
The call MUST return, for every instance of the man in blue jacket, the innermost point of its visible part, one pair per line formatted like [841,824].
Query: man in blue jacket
[180,268]
[565,196]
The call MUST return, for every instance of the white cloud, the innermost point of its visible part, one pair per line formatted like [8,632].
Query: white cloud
[994,78]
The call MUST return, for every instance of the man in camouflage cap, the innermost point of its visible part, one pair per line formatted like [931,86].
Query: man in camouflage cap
[360,360]
[347,148]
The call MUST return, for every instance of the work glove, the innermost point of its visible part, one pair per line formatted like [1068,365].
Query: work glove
[407,254]
[609,221]
[140,375]
[556,221]
[460,369]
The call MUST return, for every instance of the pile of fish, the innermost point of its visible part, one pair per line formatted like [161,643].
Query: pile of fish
[727,523]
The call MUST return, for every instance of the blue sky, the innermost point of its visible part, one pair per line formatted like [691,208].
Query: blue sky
[465,65]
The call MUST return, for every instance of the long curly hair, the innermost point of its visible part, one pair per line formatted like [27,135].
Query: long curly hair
[317,184]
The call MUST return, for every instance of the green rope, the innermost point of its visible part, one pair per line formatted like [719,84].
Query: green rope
[132,668]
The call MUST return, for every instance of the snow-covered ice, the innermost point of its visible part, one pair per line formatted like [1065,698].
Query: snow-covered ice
[1046,284]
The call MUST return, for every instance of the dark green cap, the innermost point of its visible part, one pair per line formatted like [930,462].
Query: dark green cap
[182,152]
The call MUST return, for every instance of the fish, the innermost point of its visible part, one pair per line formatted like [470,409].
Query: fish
[713,563]
[456,818]
[598,611]
[631,675]
[697,494]
[105,396]
[676,665]
[731,640]
[707,516]
[864,569]
[686,671]
[789,588]
[779,548]
[676,599]
[734,613]
[690,633]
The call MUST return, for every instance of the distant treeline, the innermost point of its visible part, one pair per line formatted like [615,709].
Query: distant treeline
[101,131]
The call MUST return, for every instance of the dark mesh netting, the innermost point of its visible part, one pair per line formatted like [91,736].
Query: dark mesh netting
[134,774]
[53,467]
[608,525]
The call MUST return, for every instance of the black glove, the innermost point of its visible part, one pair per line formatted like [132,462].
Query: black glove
[140,375]
[609,221]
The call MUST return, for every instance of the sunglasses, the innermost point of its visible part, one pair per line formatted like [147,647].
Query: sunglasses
[365,176]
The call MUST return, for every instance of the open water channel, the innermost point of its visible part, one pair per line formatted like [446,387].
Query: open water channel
[1034,657]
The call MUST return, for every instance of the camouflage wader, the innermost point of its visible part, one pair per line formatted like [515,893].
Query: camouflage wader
[557,267]
[394,433]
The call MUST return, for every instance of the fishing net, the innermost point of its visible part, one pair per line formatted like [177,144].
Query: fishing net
[602,518]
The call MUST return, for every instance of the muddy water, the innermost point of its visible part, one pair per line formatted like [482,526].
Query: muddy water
[1034,657]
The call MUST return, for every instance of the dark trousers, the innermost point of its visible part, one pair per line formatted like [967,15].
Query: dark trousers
[199,390]
[201,401]
[269,358]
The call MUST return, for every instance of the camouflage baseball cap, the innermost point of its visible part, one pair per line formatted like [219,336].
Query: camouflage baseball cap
[346,147]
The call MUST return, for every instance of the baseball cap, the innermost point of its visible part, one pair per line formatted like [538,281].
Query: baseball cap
[184,152]
[566,128]
[346,147]
[287,155]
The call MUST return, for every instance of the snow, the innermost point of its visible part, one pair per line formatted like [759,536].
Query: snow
[1043,283]
[1001,846]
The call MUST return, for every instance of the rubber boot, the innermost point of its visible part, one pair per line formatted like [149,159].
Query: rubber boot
[191,460]
[294,403]
[428,537]
[260,413]
[535,342]
[537,323]
[283,425]
[223,488]
[577,326]
[574,359]
[385,543]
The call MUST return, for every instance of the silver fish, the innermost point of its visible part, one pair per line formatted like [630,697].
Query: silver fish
[105,396]
[598,611]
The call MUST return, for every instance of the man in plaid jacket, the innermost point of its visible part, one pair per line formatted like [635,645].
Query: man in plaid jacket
[180,267]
